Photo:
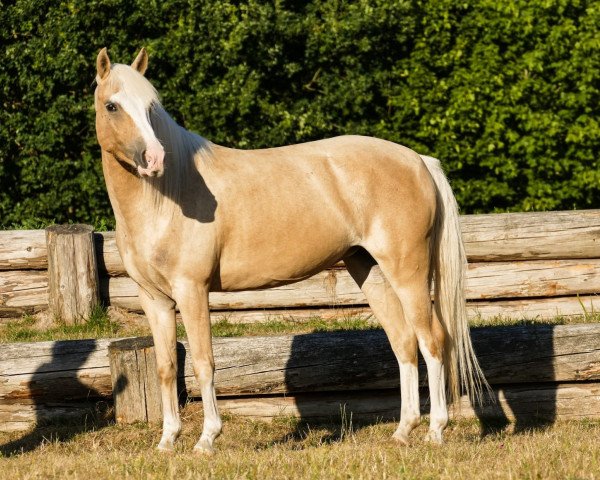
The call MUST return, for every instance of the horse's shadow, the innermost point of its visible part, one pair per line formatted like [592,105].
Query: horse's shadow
[523,406]
[61,415]
[515,401]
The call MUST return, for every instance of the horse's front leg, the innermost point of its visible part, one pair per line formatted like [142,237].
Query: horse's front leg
[160,311]
[192,300]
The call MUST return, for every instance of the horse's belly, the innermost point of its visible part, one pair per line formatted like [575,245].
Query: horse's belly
[273,267]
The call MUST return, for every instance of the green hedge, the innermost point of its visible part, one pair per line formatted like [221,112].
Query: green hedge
[504,92]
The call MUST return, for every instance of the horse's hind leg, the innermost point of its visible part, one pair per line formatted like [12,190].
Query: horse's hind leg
[399,295]
[408,272]
[161,317]
[388,311]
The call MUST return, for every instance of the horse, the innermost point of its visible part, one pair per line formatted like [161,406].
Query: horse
[193,217]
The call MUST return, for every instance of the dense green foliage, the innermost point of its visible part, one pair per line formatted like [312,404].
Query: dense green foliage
[505,93]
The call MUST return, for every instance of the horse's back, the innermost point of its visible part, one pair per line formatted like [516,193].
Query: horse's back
[287,212]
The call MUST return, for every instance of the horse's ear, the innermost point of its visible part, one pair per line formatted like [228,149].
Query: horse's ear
[102,65]
[141,61]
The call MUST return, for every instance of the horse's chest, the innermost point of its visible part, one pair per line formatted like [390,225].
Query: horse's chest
[145,263]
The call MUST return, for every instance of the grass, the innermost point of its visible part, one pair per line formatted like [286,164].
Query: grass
[104,323]
[37,329]
[287,448]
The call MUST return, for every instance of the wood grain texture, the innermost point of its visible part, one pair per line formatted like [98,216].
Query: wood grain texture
[532,235]
[531,309]
[521,403]
[23,250]
[497,280]
[73,291]
[558,401]
[136,388]
[37,376]
[332,361]
[22,416]
[490,237]
[26,292]
[23,291]
[109,259]
[50,371]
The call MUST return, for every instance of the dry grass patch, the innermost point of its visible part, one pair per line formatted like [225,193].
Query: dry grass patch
[287,448]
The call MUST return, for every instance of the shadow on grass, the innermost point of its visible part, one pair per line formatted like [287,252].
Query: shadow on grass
[63,406]
[362,364]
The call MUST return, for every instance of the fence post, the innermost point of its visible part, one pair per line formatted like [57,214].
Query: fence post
[136,390]
[72,272]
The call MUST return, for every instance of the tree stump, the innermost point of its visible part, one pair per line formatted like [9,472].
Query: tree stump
[136,388]
[72,272]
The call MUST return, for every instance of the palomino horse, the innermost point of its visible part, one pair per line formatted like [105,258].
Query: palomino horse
[194,217]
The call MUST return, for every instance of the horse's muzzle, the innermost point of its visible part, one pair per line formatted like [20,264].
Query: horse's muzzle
[154,156]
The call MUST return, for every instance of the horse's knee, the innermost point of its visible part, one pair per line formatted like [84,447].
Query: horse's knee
[167,373]
[204,370]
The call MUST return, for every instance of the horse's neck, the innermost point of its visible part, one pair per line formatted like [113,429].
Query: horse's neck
[125,190]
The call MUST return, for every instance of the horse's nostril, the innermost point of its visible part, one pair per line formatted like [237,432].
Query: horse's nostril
[143,162]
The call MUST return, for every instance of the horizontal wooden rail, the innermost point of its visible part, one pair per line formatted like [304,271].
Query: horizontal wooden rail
[490,237]
[25,291]
[534,370]
[521,403]
[291,364]
[498,280]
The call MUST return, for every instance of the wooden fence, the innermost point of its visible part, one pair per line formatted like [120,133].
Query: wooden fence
[540,372]
[534,265]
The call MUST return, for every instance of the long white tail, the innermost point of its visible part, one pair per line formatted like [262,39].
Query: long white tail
[449,264]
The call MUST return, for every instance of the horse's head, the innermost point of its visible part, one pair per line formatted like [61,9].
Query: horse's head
[123,100]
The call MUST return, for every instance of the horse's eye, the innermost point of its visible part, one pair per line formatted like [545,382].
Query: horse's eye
[111,107]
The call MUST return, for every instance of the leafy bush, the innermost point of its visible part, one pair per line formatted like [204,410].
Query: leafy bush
[505,93]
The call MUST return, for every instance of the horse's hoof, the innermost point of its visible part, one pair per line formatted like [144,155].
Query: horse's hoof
[401,438]
[434,437]
[204,448]
[165,448]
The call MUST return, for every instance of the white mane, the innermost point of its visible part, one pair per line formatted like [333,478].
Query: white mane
[133,84]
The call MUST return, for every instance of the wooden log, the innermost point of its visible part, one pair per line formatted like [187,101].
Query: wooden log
[527,404]
[537,309]
[532,235]
[490,237]
[334,361]
[22,416]
[493,237]
[364,360]
[72,272]
[44,373]
[65,371]
[530,309]
[23,250]
[521,403]
[23,292]
[109,259]
[27,250]
[136,389]
[498,280]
